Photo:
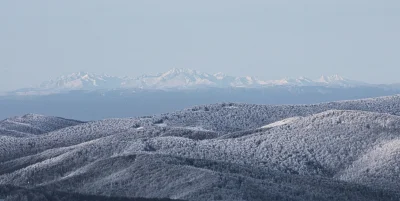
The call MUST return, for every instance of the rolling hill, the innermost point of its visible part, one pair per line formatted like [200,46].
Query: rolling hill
[32,124]
[346,150]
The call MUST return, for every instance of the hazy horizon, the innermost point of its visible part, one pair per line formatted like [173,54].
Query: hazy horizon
[44,39]
[92,73]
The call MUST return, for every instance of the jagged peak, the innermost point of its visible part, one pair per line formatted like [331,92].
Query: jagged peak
[179,78]
[220,75]
[83,74]
[188,71]
[331,78]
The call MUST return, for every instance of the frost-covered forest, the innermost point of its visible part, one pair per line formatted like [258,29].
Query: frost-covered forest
[348,150]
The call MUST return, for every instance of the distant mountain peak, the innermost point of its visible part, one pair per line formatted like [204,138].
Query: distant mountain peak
[181,71]
[337,80]
[331,78]
[176,78]
[82,80]
[220,75]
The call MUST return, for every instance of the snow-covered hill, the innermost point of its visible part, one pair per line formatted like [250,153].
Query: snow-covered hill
[33,124]
[175,78]
[344,150]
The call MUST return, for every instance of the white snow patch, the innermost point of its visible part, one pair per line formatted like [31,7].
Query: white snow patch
[195,128]
[282,122]
[162,125]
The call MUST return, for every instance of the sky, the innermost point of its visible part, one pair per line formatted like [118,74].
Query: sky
[271,39]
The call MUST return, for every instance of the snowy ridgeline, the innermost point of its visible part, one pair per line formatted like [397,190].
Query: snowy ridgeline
[346,150]
[177,79]
[32,124]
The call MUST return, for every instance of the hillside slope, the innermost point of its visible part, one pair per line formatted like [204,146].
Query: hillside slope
[231,117]
[33,124]
[221,152]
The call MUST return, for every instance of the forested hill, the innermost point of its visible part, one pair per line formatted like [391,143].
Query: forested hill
[12,193]
[347,150]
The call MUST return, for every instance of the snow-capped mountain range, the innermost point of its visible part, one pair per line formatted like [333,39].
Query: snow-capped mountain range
[178,78]
[83,80]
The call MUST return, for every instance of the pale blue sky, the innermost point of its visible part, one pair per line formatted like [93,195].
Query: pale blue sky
[359,39]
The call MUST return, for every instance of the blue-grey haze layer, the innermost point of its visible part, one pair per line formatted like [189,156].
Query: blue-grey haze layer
[272,39]
[84,105]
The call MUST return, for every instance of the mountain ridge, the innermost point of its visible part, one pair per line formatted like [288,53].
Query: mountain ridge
[176,78]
